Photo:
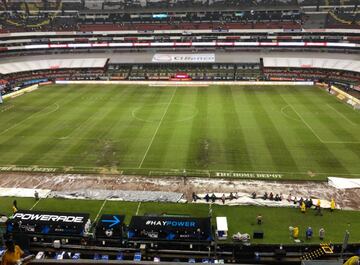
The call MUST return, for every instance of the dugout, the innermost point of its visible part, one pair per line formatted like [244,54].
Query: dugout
[48,224]
[170,228]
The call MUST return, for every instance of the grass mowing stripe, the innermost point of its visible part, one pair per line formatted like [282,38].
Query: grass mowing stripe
[295,129]
[82,148]
[341,132]
[78,120]
[342,115]
[133,133]
[261,158]
[198,154]
[18,139]
[27,104]
[161,120]
[165,146]
[281,156]
[321,153]
[236,148]
[41,147]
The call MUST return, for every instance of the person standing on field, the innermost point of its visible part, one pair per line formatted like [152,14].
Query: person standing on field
[332,205]
[14,207]
[321,233]
[303,207]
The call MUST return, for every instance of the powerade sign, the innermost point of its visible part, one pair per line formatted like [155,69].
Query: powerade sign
[48,223]
[49,218]
[171,223]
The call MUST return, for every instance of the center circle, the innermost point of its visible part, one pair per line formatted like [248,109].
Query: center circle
[187,112]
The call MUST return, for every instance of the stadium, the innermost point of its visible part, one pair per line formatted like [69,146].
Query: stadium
[180,131]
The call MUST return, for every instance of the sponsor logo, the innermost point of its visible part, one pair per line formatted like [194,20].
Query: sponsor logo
[49,218]
[249,175]
[184,58]
[171,223]
[28,169]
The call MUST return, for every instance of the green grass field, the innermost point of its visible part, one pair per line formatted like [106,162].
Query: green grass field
[240,218]
[293,132]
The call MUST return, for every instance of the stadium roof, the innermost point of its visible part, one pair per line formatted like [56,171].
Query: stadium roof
[220,57]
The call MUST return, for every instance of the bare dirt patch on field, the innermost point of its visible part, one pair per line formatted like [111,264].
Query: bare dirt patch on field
[346,199]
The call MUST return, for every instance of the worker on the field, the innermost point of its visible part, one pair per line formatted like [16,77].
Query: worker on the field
[259,219]
[332,205]
[296,232]
[321,233]
[318,208]
[303,207]
[353,261]
[309,233]
[14,207]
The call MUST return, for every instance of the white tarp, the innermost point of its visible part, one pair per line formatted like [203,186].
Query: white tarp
[119,195]
[221,223]
[19,192]
[344,183]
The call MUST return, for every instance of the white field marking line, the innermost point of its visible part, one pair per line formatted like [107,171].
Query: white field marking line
[138,208]
[179,120]
[286,115]
[51,111]
[7,108]
[342,115]
[302,119]
[20,122]
[157,129]
[77,128]
[322,141]
[36,203]
[40,198]
[101,208]
[307,125]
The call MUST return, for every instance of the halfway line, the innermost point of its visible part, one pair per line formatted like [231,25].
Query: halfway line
[157,129]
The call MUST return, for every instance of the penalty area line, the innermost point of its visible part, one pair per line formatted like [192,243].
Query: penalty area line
[29,117]
[341,115]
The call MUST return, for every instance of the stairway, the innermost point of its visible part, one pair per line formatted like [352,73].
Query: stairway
[321,251]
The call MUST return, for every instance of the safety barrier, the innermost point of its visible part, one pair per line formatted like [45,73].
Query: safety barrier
[343,96]
[21,92]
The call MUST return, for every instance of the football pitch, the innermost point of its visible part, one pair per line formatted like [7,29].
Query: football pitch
[270,132]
